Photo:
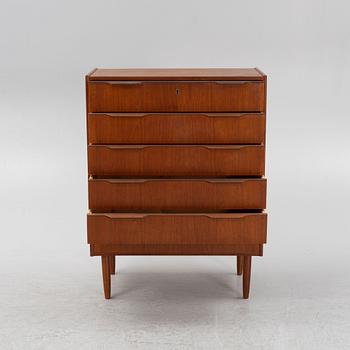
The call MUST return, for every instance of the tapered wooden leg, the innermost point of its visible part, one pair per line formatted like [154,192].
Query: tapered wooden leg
[247,264]
[106,274]
[112,264]
[239,264]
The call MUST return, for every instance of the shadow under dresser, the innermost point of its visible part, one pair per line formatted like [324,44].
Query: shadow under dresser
[176,163]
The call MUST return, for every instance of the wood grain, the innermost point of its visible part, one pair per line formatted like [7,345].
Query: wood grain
[176,128]
[106,276]
[177,74]
[170,96]
[247,263]
[176,249]
[175,161]
[177,228]
[112,264]
[240,264]
[108,195]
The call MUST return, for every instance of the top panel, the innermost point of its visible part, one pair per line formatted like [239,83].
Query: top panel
[177,74]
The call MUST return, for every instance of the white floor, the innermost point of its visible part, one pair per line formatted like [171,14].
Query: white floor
[171,303]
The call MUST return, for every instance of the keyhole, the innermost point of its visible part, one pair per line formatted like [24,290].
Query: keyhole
[177,92]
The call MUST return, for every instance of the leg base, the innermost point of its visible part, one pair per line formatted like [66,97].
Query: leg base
[106,275]
[239,264]
[112,264]
[247,263]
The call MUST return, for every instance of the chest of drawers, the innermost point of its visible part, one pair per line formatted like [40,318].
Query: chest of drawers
[176,162]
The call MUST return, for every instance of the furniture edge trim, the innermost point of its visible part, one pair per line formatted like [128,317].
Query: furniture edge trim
[91,73]
[260,72]
[132,250]
[92,78]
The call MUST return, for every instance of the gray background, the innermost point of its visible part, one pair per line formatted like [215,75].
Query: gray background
[50,289]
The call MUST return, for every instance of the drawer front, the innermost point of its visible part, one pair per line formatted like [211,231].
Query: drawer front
[106,195]
[143,128]
[138,96]
[167,161]
[177,228]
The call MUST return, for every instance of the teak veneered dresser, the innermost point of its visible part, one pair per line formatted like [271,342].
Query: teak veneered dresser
[176,162]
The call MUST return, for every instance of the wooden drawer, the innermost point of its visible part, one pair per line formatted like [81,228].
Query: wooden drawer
[170,161]
[180,128]
[176,96]
[184,229]
[106,195]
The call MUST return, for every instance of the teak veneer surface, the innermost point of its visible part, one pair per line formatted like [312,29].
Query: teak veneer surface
[184,160]
[106,195]
[177,228]
[176,96]
[177,74]
[176,249]
[176,159]
[176,128]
